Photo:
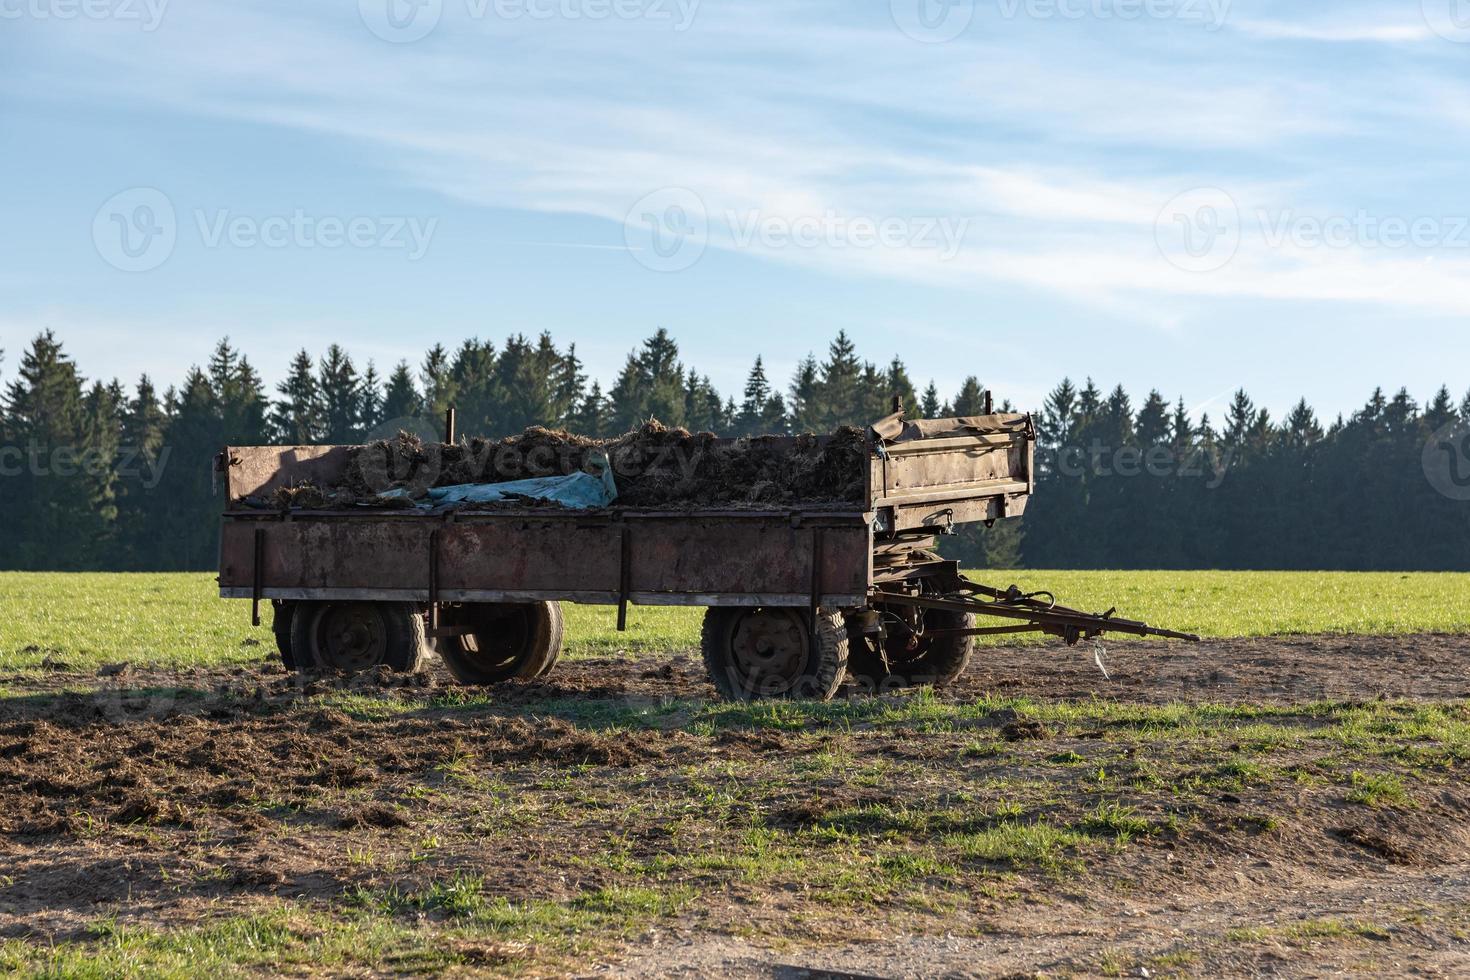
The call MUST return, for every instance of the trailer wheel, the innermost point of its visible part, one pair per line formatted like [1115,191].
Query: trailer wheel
[508,640]
[282,613]
[759,653]
[351,637]
[913,660]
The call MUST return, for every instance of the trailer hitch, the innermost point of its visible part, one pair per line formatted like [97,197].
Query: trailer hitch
[1032,614]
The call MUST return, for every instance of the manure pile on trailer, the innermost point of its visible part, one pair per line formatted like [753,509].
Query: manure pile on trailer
[653,466]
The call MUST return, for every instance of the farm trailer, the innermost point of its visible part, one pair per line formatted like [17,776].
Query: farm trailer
[797,597]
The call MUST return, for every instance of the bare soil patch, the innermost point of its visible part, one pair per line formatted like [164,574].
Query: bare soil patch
[1094,827]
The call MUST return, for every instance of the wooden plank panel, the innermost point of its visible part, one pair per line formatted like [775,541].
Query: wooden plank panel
[564,555]
[257,471]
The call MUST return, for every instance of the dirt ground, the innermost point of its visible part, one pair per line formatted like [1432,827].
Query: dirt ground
[1321,826]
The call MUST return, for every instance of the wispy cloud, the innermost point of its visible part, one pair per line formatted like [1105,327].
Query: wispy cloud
[1399,32]
[1060,168]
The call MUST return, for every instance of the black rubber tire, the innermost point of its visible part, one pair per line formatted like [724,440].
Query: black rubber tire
[938,664]
[942,661]
[391,634]
[816,670]
[511,640]
[282,613]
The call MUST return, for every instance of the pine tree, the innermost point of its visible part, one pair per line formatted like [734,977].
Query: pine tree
[1441,411]
[804,394]
[341,394]
[1301,428]
[1153,421]
[898,384]
[371,403]
[841,392]
[971,399]
[401,400]
[591,416]
[569,383]
[652,385]
[187,528]
[298,416]
[1058,417]
[145,455]
[757,397]
[438,389]
[47,518]
[930,408]
[472,388]
[103,408]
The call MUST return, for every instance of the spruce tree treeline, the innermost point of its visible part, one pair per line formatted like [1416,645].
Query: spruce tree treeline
[93,476]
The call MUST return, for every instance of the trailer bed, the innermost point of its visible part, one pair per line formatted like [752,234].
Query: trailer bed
[920,480]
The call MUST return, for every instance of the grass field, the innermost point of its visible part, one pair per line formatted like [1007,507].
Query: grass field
[233,819]
[85,620]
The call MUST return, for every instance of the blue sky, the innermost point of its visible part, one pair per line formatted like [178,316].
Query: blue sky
[1190,194]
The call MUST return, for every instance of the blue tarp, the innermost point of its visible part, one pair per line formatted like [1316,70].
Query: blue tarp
[579,491]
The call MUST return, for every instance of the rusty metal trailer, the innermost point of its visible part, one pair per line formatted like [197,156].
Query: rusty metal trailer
[797,597]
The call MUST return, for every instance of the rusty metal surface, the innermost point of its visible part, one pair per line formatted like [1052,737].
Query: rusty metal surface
[258,471]
[685,558]
[936,473]
[920,476]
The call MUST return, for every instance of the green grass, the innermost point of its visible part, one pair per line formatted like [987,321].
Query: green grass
[86,620]
[1381,790]
[1265,603]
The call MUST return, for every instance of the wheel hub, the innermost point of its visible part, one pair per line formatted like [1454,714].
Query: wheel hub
[353,638]
[770,649]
